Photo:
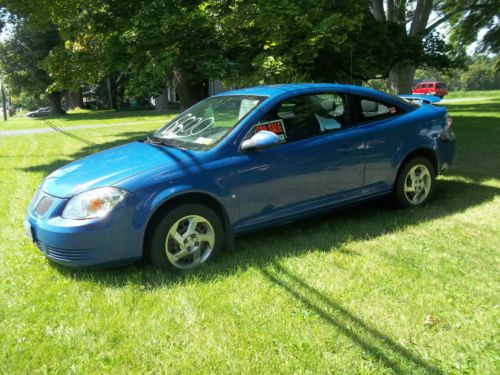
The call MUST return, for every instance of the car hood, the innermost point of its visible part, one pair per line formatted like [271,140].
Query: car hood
[112,166]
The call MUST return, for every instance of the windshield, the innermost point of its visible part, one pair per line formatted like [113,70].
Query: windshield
[206,123]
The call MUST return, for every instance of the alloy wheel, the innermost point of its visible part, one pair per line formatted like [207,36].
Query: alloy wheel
[417,184]
[189,242]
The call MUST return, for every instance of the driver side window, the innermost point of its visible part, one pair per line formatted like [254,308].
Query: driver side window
[305,116]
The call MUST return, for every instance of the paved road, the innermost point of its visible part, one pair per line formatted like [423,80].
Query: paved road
[7,133]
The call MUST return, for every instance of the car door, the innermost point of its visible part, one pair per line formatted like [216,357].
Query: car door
[319,162]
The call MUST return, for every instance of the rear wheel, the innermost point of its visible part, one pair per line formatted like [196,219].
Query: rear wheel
[186,237]
[415,183]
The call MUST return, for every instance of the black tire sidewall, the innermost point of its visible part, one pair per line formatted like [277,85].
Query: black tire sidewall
[155,250]
[399,193]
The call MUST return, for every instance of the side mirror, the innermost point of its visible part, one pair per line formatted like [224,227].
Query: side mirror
[260,140]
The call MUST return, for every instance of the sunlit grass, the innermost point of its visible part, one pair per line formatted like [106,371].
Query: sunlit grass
[85,117]
[473,94]
[370,289]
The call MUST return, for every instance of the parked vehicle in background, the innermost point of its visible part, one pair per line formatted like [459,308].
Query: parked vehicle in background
[234,163]
[431,88]
[47,111]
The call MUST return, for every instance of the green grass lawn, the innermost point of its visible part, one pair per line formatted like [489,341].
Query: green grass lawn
[348,292]
[474,94]
[85,117]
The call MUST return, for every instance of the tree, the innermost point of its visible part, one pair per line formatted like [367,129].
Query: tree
[321,40]
[139,46]
[478,73]
[466,18]
[22,56]
[469,17]
[149,42]
[413,17]
[4,100]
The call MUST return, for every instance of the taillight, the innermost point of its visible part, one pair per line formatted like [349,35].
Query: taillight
[449,122]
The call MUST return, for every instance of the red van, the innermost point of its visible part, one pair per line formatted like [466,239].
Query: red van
[431,88]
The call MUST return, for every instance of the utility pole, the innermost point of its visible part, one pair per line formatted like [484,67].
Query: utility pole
[4,102]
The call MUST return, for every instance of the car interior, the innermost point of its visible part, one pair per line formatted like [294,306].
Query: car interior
[309,115]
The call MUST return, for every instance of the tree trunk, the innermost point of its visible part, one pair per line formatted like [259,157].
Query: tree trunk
[189,92]
[161,104]
[4,102]
[74,99]
[110,95]
[401,77]
[55,103]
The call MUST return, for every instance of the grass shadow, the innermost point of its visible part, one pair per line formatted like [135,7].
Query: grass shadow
[104,115]
[480,107]
[373,342]
[476,147]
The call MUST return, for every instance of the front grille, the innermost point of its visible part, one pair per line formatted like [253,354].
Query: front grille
[66,254]
[43,205]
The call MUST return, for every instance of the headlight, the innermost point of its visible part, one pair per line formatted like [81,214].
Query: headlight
[93,203]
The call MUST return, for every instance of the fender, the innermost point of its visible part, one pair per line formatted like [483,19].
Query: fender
[408,150]
[183,190]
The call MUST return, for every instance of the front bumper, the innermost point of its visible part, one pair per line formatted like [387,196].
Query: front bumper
[83,243]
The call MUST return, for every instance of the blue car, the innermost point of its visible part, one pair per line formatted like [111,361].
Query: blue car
[237,162]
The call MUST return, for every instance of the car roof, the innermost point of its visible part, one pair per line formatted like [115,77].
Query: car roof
[288,88]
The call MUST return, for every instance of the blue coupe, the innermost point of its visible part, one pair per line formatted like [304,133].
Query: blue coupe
[234,163]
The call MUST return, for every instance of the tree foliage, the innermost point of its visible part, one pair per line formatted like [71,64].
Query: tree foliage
[469,17]
[141,45]
[22,60]
[479,73]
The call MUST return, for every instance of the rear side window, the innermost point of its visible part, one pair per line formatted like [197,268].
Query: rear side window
[424,85]
[430,85]
[369,109]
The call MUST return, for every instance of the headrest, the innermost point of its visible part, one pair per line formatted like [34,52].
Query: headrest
[328,105]
[369,106]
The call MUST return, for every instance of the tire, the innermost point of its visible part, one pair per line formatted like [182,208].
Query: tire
[188,236]
[415,183]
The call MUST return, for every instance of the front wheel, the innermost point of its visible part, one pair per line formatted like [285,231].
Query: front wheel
[415,183]
[186,237]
